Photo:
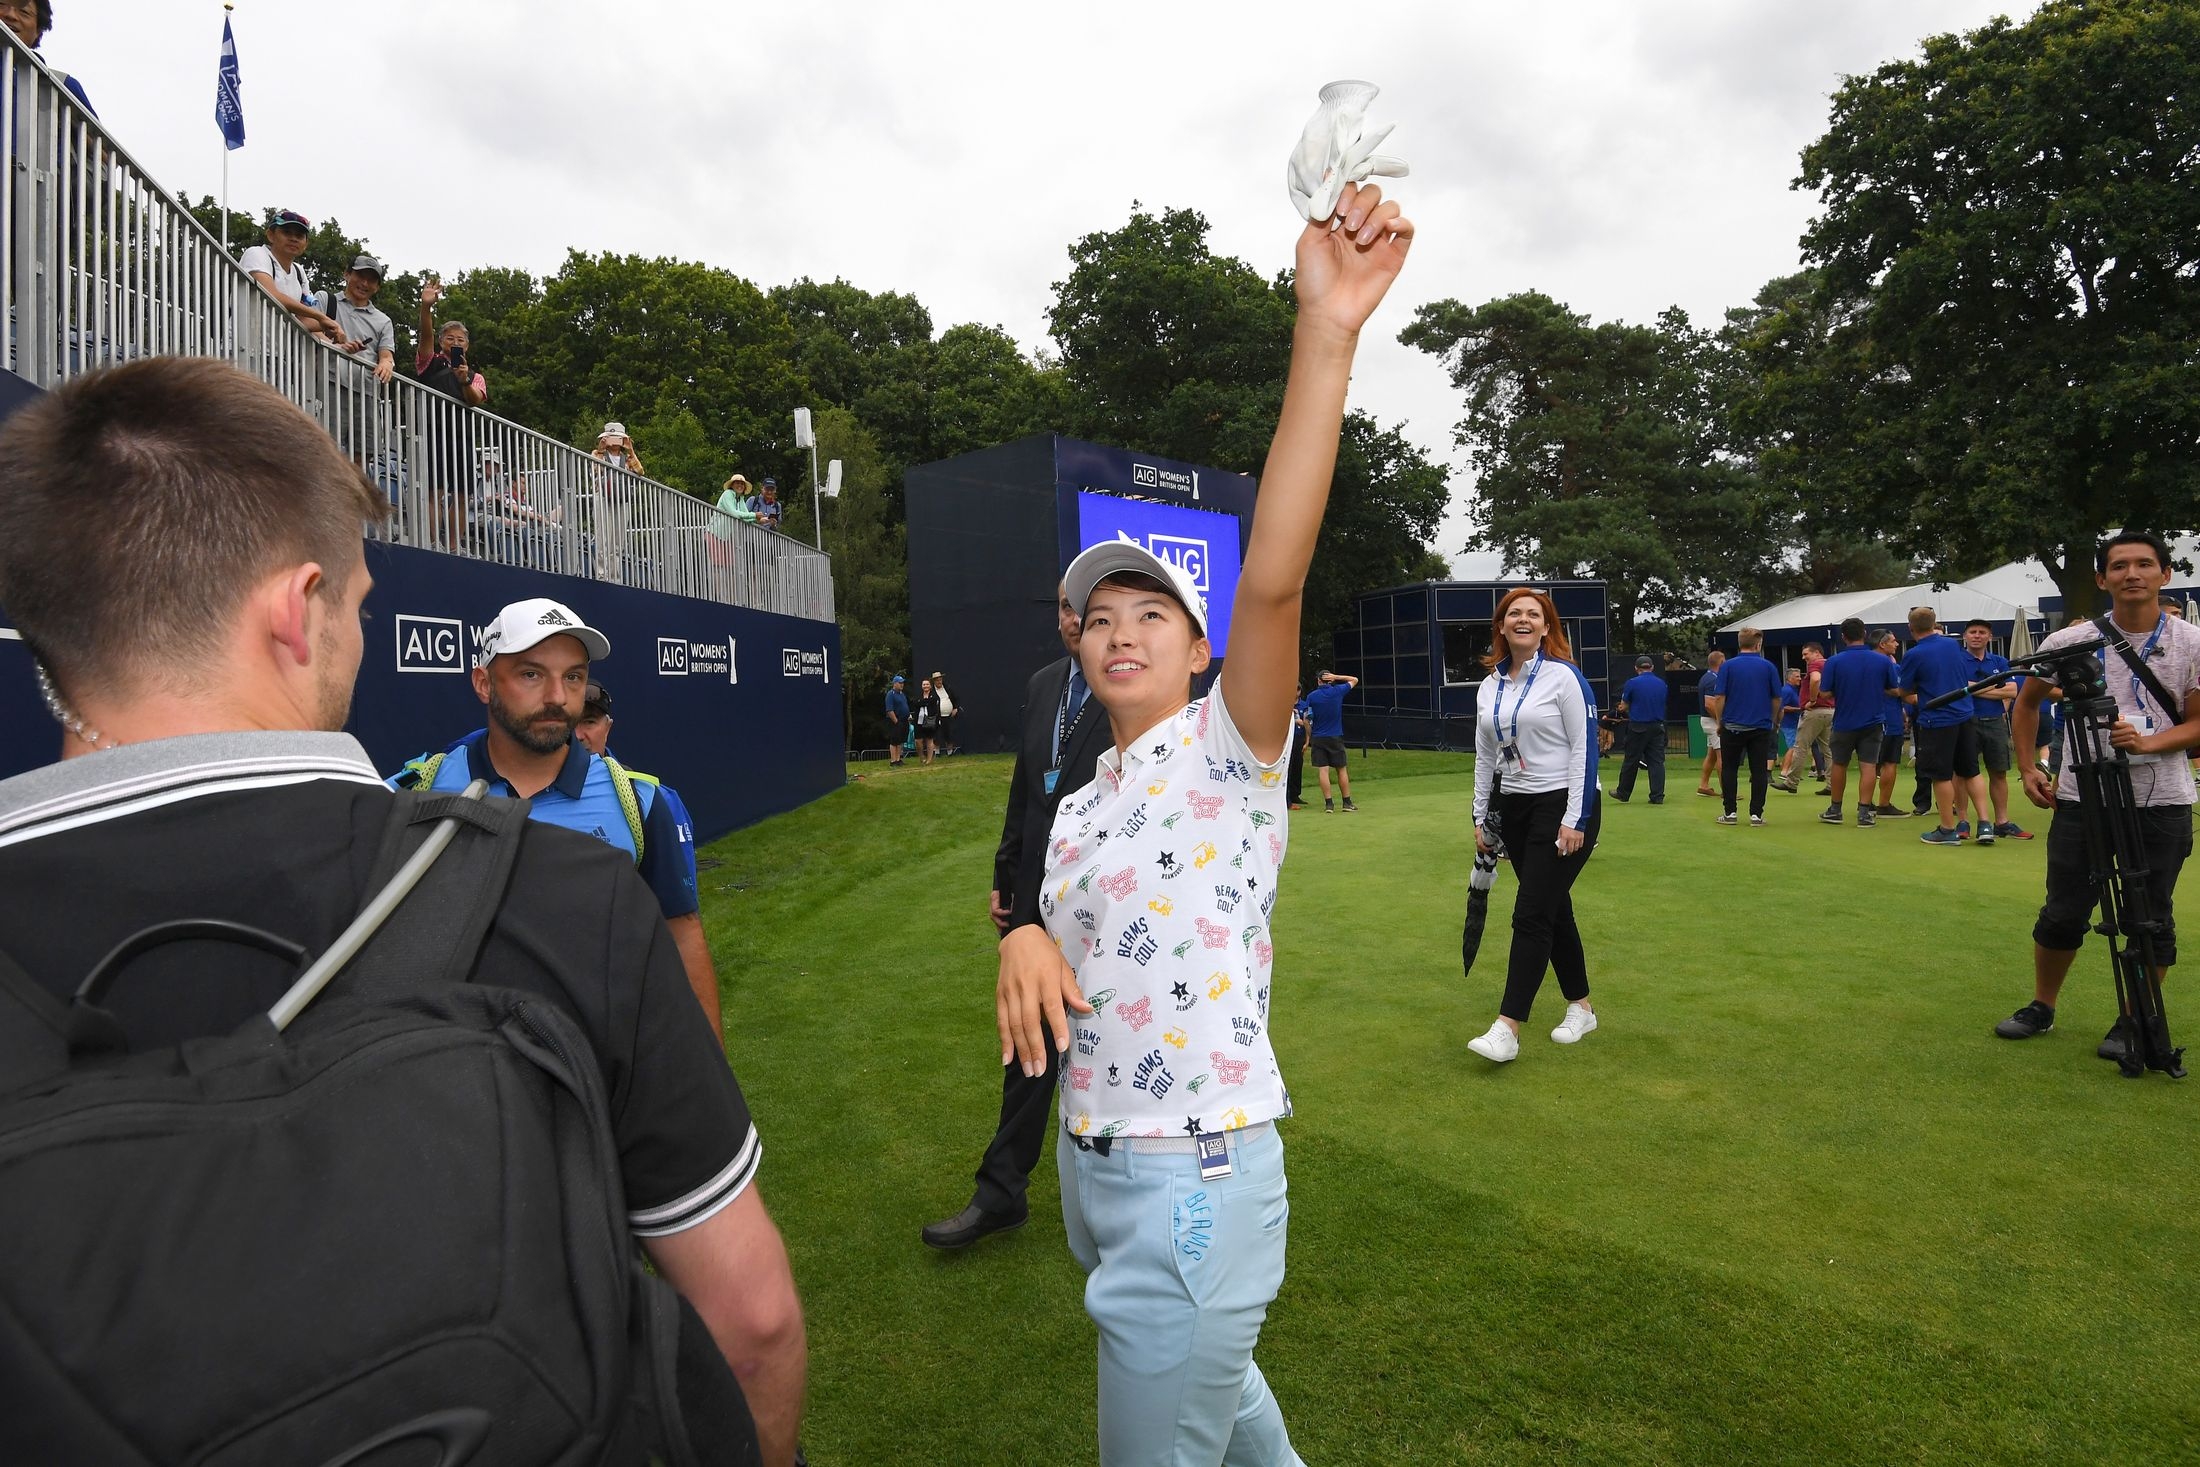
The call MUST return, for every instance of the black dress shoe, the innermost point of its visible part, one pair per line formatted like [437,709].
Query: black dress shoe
[971,1224]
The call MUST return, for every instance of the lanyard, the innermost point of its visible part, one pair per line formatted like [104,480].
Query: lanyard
[1497,709]
[2138,689]
[1063,718]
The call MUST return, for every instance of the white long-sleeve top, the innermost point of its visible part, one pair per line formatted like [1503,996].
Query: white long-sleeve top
[1540,729]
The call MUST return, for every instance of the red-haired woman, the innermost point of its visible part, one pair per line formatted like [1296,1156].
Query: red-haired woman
[1535,788]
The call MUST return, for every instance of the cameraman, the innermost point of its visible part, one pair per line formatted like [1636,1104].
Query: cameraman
[440,362]
[2131,566]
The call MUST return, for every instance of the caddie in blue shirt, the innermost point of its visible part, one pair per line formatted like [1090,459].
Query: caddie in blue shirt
[1990,715]
[1326,705]
[1859,678]
[1747,703]
[1947,739]
[1642,700]
[532,675]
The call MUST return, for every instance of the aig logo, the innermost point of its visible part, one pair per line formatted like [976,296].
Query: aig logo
[1145,476]
[1182,551]
[672,656]
[430,644]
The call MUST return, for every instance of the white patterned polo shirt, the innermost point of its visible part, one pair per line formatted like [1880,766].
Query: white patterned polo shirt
[1161,877]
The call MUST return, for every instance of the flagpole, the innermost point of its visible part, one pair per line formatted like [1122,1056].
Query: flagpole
[228,8]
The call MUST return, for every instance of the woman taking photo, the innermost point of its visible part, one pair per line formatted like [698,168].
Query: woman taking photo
[1534,728]
[1160,877]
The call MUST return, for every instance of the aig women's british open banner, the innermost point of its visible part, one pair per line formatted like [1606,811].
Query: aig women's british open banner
[739,710]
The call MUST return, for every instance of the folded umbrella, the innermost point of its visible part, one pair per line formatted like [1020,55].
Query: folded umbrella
[1478,904]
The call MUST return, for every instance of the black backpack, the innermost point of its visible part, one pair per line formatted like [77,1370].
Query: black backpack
[392,1233]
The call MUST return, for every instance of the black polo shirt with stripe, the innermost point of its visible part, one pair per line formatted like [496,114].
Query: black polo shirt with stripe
[280,830]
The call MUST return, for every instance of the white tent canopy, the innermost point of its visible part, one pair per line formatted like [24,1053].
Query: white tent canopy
[1888,608]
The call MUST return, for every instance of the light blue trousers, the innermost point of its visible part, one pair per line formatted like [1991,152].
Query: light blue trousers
[1179,1276]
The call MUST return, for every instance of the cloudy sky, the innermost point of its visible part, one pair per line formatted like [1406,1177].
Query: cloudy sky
[1619,155]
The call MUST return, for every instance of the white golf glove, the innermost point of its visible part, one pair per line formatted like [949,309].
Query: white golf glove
[1336,150]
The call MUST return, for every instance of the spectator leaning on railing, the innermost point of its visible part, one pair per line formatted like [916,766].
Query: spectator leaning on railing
[30,20]
[366,333]
[275,266]
[767,505]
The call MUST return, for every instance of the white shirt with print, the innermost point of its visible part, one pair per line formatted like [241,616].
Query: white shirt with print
[1161,877]
[2156,779]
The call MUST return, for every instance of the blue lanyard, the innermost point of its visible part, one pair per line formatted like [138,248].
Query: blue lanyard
[2139,689]
[1497,709]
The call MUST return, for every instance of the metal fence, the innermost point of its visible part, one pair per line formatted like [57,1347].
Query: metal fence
[98,265]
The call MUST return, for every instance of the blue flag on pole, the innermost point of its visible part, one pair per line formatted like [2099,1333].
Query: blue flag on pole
[228,86]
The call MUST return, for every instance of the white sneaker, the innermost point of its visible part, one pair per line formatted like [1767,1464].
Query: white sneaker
[1497,1046]
[1579,1020]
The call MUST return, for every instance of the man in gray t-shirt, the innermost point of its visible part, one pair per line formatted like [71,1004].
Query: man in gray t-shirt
[368,334]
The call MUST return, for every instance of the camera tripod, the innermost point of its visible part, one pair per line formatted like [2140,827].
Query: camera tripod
[2115,846]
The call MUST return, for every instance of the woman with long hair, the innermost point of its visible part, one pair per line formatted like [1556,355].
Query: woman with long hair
[928,720]
[1150,975]
[1535,793]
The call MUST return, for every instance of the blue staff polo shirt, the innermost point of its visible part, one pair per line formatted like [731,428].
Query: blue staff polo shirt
[1750,686]
[1936,665]
[1987,666]
[1327,701]
[1644,695]
[1858,678]
[583,798]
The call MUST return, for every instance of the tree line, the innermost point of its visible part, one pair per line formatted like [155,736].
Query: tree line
[1158,344]
[1988,355]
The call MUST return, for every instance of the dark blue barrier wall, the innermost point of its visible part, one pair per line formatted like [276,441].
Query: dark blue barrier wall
[740,710]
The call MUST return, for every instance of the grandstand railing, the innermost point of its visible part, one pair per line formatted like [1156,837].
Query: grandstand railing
[98,265]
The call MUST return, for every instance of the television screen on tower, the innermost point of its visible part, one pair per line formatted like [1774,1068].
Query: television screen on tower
[1203,543]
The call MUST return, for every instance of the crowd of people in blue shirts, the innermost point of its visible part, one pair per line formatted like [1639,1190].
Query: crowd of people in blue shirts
[1877,697]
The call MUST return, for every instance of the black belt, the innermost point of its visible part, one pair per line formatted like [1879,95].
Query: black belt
[1098,1145]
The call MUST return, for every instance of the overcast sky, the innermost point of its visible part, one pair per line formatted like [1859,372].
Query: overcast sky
[1617,155]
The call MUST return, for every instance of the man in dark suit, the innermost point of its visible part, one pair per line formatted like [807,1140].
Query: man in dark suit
[1065,730]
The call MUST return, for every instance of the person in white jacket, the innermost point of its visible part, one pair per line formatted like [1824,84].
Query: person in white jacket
[947,713]
[1535,792]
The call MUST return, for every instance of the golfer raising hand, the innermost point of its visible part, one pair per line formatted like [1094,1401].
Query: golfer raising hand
[1161,877]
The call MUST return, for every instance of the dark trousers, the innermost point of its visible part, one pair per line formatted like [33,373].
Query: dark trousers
[1736,745]
[1027,1114]
[2165,833]
[1645,746]
[1544,934]
[1297,780]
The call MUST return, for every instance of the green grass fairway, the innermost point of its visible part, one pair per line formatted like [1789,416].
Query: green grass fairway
[1791,1203]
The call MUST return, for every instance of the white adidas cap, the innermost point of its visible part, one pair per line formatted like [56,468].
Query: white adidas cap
[1117,557]
[525,623]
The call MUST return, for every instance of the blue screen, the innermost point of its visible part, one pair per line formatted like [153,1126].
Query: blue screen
[1204,544]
